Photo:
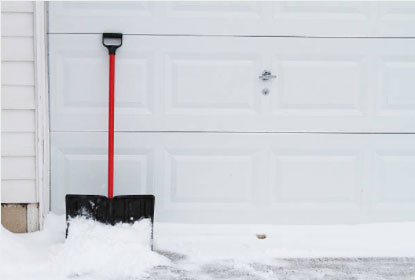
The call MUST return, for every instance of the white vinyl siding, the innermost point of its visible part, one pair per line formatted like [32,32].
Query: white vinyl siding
[18,144]
[18,190]
[18,97]
[17,24]
[18,152]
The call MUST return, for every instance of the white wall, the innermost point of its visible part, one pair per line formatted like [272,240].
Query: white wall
[18,103]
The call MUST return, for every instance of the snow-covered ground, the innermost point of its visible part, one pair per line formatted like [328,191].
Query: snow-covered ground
[96,251]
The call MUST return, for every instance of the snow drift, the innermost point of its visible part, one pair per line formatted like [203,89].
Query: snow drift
[95,251]
[107,251]
[92,251]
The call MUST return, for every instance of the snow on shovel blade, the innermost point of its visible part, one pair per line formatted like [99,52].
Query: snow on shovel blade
[119,209]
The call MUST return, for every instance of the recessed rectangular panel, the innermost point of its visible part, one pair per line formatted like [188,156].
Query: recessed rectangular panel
[79,75]
[393,192]
[88,171]
[392,71]
[323,9]
[213,9]
[397,85]
[87,174]
[80,162]
[208,178]
[321,78]
[131,86]
[395,180]
[394,18]
[322,84]
[317,178]
[211,83]
[108,8]
[332,18]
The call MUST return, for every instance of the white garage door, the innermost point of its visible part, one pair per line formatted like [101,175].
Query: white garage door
[328,140]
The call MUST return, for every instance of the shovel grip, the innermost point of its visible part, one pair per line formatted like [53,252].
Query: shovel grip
[111,128]
[112,41]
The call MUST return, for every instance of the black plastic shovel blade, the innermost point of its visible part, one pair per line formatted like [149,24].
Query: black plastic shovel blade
[119,209]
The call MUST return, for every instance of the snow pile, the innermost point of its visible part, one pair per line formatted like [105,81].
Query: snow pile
[10,250]
[20,257]
[92,251]
[107,251]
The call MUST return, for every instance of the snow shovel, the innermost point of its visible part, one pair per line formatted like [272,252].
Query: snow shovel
[118,209]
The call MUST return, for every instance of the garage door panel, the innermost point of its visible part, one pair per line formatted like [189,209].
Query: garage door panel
[325,86]
[161,84]
[322,9]
[156,17]
[207,178]
[320,171]
[396,177]
[323,77]
[316,179]
[79,83]
[216,83]
[218,10]
[332,85]
[113,10]
[317,18]
[393,188]
[245,177]
[395,18]
[286,18]
[80,167]
[397,74]
[212,172]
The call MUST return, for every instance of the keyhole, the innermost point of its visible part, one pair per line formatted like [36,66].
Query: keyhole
[265,91]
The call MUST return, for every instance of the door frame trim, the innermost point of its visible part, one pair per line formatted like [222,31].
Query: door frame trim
[42,110]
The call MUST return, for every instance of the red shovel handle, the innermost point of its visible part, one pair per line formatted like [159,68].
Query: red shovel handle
[112,41]
[111,129]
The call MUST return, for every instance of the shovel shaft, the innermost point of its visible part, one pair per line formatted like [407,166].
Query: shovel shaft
[111,129]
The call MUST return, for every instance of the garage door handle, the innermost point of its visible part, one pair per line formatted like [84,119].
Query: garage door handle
[266,75]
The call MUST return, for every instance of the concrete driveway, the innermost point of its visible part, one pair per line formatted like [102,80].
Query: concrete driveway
[284,269]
